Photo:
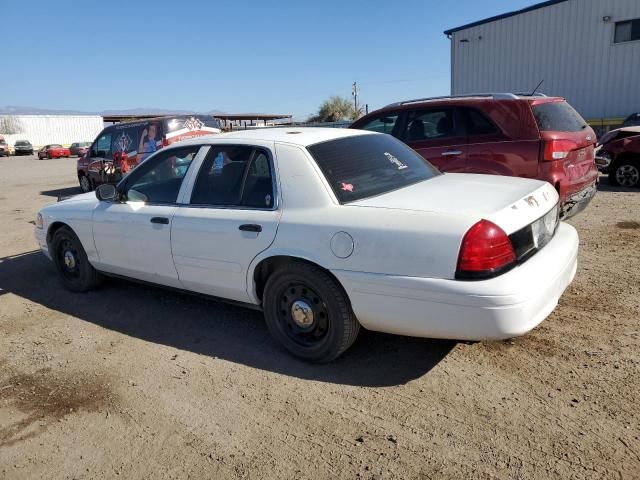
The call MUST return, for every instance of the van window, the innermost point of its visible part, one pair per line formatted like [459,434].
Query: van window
[558,117]
[102,146]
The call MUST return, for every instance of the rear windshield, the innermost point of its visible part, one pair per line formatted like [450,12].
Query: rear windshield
[367,165]
[55,146]
[22,142]
[558,117]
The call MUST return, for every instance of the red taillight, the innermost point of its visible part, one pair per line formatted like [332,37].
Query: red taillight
[486,250]
[165,142]
[558,149]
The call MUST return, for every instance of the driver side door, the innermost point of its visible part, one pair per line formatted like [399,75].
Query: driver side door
[133,235]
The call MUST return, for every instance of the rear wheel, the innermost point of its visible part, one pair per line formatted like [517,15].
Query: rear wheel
[625,173]
[72,263]
[309,313]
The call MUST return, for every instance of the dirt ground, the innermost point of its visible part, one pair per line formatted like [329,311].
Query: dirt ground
[136,382]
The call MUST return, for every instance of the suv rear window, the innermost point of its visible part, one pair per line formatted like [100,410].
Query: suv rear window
[558,117]
[367,165]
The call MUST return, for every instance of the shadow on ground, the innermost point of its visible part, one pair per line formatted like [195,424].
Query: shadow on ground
[216,329]
[62,192]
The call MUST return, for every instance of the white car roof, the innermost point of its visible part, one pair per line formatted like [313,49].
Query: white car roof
[302,136]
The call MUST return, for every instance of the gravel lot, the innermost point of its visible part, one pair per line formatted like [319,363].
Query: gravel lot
[134,381]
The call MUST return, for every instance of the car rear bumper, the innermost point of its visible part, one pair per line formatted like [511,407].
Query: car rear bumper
[503,307]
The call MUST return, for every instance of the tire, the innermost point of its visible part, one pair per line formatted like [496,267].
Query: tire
[76,273]
[625,173]
[324,326]
[49,156]
[85,184]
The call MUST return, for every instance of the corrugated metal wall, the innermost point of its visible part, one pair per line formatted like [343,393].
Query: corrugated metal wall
[567,44]
[45,129]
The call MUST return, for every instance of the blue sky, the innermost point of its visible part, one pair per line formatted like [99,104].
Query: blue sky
[237,56]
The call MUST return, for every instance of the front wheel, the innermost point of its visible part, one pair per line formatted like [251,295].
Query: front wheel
[85,184]
[71,261]
[625,173]
[309,313]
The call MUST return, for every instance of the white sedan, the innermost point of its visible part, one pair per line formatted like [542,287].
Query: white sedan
[324,230]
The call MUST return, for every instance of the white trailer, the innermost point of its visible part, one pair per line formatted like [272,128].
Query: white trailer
[46,129]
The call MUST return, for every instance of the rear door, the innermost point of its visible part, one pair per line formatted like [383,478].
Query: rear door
[438,135]
[230,217]
[493,152]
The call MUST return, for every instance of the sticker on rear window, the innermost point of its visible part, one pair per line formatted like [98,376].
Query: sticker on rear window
[347,187]
[395,161]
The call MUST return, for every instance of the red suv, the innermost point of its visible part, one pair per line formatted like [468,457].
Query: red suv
[531,136]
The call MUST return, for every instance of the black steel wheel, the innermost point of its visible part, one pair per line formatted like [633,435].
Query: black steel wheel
[309,313]
[71,261]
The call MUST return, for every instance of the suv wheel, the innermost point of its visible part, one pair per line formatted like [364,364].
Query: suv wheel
[85,184]
[71,261]
[625,173]
[309,313]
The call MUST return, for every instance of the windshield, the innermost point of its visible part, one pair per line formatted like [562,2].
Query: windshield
[558,117]
[367,165]
[55,146]
[22,142]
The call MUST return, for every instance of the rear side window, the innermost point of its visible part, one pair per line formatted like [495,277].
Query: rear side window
[234,176]
[367,165]
[558,117]
[476,123]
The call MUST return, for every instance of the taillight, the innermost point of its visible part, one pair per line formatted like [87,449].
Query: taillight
[558,149]
[165,142]
[486,251]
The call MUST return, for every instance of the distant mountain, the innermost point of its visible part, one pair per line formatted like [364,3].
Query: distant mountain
[20,110]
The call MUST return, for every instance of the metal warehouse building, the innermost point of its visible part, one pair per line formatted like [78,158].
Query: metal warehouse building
[46,129]
[585,50]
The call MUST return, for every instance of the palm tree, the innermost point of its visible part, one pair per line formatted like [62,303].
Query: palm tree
[336,109]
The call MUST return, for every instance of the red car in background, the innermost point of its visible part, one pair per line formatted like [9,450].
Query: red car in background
[532,136]
[618,154]
[53,151]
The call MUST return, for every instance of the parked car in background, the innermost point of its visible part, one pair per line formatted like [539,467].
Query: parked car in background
[325,230]
[53,151]
[23,147]
[632,120]
[618,154]
[4,148]
[500,134]
[120,148]
[78,149]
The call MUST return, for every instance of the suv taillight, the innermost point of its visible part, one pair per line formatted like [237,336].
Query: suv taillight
[558,149]
[486,251]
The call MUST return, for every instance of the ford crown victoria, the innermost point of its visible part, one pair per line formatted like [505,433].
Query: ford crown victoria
[325,231]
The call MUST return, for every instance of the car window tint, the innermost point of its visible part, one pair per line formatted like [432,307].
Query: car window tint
[558,117]
[476,123]
[382,124]
[159,180]
[220,180]
[429,124]
[367,165]
[258,185]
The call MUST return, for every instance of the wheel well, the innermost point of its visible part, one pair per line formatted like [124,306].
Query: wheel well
[269,265]
[53,228]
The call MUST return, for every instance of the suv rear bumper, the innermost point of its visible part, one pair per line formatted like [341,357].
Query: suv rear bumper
[577,202]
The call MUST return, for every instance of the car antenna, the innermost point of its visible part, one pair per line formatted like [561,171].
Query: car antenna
[536,89]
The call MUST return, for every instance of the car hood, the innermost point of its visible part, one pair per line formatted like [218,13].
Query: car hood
[510,202]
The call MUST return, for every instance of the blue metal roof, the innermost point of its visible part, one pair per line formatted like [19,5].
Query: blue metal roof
[504,15]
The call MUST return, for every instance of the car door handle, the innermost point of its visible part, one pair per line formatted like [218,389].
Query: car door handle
[250,227]
[161,220]
[452,153]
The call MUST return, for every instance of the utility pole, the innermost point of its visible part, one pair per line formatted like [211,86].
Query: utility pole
[354,94]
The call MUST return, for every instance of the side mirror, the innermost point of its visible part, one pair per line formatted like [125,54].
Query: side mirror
[106,192]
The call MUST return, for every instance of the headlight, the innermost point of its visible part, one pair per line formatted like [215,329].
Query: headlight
[39,221]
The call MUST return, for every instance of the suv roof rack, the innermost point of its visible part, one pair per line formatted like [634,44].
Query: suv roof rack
[493,95]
